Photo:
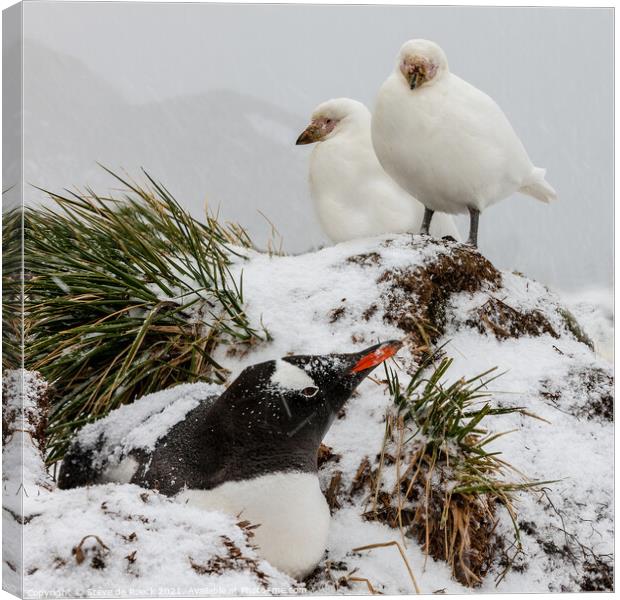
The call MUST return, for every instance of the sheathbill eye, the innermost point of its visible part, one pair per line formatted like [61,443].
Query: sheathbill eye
[310,392]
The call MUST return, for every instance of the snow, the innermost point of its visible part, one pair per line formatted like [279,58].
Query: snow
[303,289]
[291,377]
[318,303]
[594,309]
[156,413]
[384,567]
[151,543]
[574,450]
[24,478]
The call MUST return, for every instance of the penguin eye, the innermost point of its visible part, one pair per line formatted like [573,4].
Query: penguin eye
[310,392]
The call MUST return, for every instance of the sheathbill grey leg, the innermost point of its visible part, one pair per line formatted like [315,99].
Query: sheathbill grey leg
[474,215]
[426,221]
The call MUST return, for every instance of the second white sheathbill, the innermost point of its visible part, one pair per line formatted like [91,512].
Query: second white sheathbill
[353,195]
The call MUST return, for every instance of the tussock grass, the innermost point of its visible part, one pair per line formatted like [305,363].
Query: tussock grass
[12,289]
[448,482]
[125,295]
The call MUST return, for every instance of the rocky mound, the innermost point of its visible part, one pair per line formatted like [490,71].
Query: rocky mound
[434,295]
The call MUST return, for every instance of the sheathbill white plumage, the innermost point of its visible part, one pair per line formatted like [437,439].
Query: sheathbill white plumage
[447,142]
[353,195]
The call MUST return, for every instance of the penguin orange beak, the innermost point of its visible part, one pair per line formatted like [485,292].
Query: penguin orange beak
[377,356]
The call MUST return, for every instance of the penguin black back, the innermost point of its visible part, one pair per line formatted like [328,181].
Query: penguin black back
[272,418]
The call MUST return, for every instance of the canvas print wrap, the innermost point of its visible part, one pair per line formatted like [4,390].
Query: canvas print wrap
[293,307]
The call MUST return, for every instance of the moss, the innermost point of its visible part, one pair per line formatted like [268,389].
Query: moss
[593,386]
[460,528]
[362,478]
[336,313]
[416,298]
[369,312]
[326,454]
[365,260]
[504,321]
[598,575]
[598,388]
[233,560]
[573,326]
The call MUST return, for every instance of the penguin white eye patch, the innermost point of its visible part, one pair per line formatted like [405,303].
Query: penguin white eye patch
[310,392]
[291,377]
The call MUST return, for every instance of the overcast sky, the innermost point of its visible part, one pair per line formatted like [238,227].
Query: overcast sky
[210,98]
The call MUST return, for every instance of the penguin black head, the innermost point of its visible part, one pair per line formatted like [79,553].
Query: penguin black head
[288,405]
[330,379]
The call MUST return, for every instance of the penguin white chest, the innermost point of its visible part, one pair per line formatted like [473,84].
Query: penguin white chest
[290,508]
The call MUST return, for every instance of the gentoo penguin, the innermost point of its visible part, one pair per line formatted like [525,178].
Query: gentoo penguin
[353,195]
[251,452]
[447,142]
